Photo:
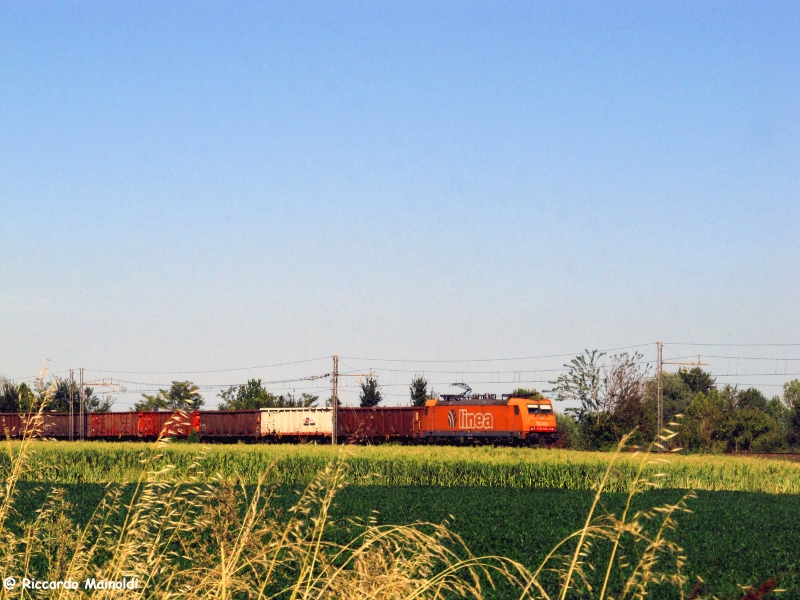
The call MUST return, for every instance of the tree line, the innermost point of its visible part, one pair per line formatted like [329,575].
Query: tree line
[185,395]
[58,392]
[618,394]
[181,395]
[253,395]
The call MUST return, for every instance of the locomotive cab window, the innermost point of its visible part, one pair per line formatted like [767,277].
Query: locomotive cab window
[516,410]
[545,408]
[533,409]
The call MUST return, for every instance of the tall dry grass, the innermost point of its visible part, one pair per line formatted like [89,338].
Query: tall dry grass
[215,537]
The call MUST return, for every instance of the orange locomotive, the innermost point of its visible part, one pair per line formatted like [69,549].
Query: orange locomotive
[484,418]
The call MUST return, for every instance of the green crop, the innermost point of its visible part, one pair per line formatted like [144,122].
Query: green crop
[100,462]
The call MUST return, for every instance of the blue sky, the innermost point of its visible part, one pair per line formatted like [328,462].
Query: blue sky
[189,186]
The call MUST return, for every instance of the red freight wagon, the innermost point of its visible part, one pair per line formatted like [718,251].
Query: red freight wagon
[171,424]
[229,424]
[358,424]
[112,425]
[48,425]
[11,425]
[376,424]
[58,425]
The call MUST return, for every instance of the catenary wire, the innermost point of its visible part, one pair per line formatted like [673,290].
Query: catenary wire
[296,362]
[728,345]
[458,372]
[407,360]
[426,372]
[747,357]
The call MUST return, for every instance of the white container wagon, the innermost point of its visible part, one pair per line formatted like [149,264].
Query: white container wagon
[296,423]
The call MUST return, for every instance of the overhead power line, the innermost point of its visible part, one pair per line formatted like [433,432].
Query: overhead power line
[224,385]
[729,345]
[514,375]
[760,375]
[468,360]
[749,357]
[34,377]
[296,362]
[512,372]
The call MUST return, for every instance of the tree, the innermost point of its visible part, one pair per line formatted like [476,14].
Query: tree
[676,396]
[735,421]
[705,418]
[525,393]
[13,397]
[582,383]
[569,433]
[782,415]
[183,395]
[370,393]
[57,392]
[102,404]
[697,380]
[253,396]
[9,396]
[151,403]
[751,398]
[66,390]
[610,394]
[419,390]
[291,401]
[27,399]
[791,393]
[791,399]
[751,429]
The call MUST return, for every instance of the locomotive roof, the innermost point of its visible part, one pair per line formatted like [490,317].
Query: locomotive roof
[482,400]
[473,402]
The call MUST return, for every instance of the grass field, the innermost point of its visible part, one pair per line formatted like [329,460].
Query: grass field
[99,462]
[730,538]
[518,503]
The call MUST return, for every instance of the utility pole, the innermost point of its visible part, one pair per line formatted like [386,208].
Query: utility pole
[335,400]
[71,404]
[334,375]
[660,371]
[81,420]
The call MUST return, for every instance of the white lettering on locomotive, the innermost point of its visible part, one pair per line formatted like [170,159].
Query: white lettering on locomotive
[470,420]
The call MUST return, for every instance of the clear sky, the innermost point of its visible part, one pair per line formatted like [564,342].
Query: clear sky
[190,186]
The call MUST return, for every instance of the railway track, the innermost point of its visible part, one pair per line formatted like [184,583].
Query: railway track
[792,456]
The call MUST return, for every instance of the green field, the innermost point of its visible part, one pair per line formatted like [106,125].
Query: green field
[743,528]
[730,537]
[99,462]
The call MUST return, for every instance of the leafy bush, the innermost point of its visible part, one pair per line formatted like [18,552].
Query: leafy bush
[569,432]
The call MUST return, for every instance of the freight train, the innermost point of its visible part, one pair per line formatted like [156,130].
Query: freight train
[511,420]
